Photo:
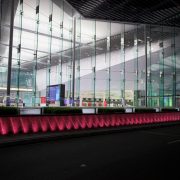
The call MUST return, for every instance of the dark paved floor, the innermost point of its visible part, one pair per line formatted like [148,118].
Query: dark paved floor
[151,154]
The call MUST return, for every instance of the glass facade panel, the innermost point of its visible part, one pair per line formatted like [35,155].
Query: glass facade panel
[101,63]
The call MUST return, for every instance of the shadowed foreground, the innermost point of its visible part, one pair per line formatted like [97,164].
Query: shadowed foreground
[142,154]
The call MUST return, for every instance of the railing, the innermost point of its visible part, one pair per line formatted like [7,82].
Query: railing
[42,123]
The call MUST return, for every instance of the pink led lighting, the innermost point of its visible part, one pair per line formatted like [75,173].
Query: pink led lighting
[35,127]
[82,121]
[52,123]
[35,124]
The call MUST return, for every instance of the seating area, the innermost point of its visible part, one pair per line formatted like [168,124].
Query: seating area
[35,124]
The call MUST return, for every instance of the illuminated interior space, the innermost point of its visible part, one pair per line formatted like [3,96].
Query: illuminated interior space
[124,64]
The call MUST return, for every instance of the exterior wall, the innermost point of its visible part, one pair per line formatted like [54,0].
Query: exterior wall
[136,63]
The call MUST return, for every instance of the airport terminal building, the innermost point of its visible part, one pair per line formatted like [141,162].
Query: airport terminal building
[56,53]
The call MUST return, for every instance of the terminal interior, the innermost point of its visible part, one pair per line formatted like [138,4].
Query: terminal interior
[117,63]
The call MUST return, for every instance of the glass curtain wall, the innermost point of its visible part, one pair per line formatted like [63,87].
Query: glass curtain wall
[163,70]
[135,65]
[116,64]
[42,49]
[4,46]
[176,56]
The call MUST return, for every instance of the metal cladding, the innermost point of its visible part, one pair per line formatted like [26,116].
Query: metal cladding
[165,12]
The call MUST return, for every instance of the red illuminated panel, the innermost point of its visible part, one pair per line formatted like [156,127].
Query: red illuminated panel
[52,123]
[82,121]
[89,122]
[75,122]
[25,124]
[68,122]
[15,125]
[60,122]
[5,125]
[35,124]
